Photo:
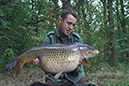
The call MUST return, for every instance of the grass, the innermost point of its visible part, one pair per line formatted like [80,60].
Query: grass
[106,75]
[101,75]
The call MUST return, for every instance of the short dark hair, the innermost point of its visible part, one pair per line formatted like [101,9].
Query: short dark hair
[67,11]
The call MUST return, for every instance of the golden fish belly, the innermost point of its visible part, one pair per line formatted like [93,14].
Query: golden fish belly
[57,60]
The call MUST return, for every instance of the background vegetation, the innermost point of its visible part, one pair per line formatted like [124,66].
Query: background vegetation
[102,24]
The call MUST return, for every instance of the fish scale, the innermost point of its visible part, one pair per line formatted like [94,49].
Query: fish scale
[54,58]
[60,61]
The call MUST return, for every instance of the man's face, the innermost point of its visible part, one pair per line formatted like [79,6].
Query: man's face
[67,25]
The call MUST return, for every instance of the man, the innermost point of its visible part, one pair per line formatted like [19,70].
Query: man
[63,35]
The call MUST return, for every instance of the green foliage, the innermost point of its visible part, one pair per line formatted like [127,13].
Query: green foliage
[22,27]
[24,24]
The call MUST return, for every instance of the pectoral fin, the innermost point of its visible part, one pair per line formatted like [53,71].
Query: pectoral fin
[86,61]
[58,75]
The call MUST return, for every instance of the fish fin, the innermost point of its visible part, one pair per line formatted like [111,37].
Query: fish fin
[86,61]
[16,64]
[12,63]
[58,75]
[17,69]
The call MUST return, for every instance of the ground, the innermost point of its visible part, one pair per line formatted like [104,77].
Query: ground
[26,77]
[33,74]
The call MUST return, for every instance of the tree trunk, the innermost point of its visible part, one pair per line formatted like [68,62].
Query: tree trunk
[111,27]
[66,4]
[123,25]
[123,17]
[104,12]
[118,16]
[56,3]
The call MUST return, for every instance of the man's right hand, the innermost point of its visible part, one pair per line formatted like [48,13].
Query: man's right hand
[36,62]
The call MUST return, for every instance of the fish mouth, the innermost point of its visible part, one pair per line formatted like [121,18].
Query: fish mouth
[96,52]
[86,61]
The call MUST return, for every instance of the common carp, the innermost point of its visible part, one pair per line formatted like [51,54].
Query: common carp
[54,59]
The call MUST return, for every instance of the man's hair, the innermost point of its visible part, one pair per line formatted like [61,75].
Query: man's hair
[68,11]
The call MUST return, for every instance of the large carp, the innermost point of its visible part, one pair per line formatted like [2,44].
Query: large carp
[54,58]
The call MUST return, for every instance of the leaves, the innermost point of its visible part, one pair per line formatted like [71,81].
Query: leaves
[25,24]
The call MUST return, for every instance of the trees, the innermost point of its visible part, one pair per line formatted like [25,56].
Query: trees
[112,32]
[102,24]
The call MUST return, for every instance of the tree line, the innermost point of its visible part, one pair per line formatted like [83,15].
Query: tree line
[102,24]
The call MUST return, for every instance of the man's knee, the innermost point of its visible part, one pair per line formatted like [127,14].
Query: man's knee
[83,80]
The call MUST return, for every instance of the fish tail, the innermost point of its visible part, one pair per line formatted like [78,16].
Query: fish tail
[27,57]
[16,64]
[17,69]
[12,63]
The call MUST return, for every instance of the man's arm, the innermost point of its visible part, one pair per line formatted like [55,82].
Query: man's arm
[46,41]
[76,38]
[49,38]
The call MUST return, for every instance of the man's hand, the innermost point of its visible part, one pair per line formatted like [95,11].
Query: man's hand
[36,62]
